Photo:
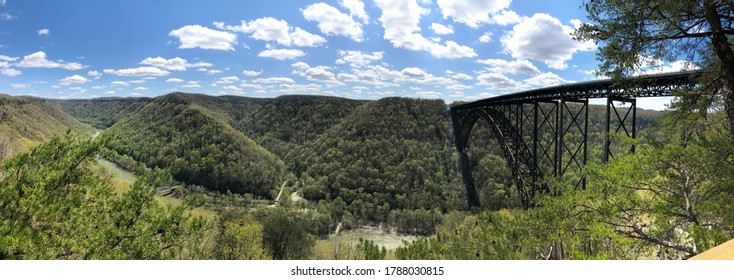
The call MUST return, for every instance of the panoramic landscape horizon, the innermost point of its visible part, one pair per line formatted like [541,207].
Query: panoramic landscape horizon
[366,130]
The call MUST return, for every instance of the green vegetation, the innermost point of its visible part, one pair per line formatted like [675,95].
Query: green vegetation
[28,121]
[101,113]
[53,207]
[637,34]
[199,148]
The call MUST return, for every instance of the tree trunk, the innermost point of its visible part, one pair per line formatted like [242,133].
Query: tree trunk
[724,52]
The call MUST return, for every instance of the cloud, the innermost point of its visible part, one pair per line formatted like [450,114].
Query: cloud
[546,80]
[5,66]
[174,80]
[7,58]
[400,20]
[282,54]
[173,64]
[543,37]
[226,80]
[486,37]
[462,76]
[512,67]
[441,29]
[506,18]
[19,86]
[358,59]
[274,80]
[38,60]
[302,38]
[10,72]
[94,74]
[76,79]
[119,83]
[333,22]
[251,73]
[140,88]
[316,74]
[44,31]
[428,94]
[197,36]
[356,9]
[471,12]
[458,87]
[275,30]
[497,81]
[265,29]
[191,84]
[414,72]
[146,71]
[6,16]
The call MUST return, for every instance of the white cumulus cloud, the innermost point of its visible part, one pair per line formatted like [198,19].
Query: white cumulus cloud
[441,29]
[76,79]
[174,80]
[356,9]
[44,31]
[331,21]
[543,38]
[39,60]
[146,71]
[521,66]
[173,64]
[274,80]
[497,81]
[471,12]
[275,30]
[197,36]
[251,73]
[546,80]
[401,18]
[358,58]
[282,54]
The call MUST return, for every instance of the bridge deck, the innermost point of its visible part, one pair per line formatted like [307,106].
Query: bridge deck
[642,86]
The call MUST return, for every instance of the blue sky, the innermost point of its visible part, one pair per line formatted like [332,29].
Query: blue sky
[365,49]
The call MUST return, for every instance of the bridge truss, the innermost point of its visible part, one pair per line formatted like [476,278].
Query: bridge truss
[544,132]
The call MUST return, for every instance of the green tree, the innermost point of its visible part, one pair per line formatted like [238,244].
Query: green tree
[285,237]
[631,33]
[370,251]
[52,206]
[240,239]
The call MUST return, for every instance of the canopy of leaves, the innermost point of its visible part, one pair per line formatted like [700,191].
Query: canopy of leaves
[53,207]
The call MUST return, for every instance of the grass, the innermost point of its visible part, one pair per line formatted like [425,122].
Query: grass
[121,181]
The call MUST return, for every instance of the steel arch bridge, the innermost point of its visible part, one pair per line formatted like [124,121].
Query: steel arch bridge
[534,127]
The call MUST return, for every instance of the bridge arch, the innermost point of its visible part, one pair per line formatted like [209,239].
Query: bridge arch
[515,151]
[508,118]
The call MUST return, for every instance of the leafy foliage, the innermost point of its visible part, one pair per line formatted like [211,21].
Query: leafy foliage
[28,121]
[198,147]
[53,207]
[101,113]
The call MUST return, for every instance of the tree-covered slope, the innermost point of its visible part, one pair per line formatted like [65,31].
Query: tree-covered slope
[287,124]
[394,153]
[26,121]
[101,112]
[198,146]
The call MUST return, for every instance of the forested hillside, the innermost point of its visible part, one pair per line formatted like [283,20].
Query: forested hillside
[101,113]
[394,153]
[27,121]
[386,160]
[199,147]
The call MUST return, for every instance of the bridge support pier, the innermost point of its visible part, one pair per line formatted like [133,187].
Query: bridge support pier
[471,190]
[626,123]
